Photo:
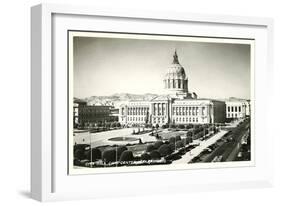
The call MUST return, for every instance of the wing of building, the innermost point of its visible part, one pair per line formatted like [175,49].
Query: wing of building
[237,108]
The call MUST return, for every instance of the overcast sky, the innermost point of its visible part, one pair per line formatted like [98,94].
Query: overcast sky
[104,66]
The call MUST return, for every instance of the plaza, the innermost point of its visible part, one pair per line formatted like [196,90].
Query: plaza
[138,144]
[102,138]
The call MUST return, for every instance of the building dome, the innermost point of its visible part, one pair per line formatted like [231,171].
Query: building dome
[175,79]
[175,70]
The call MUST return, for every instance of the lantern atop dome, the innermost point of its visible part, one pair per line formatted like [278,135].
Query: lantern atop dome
[176,60]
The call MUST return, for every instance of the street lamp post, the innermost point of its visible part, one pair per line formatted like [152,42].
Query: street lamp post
[90,146]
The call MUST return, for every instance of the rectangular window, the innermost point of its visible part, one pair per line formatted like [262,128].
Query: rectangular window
[239,109]
[203,110]
[228,109]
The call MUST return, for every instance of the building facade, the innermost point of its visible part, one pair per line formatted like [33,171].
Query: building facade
[237,108]
[134,112]
[198,111]
[172,111]
[177,106]
[77,103]
[91,115]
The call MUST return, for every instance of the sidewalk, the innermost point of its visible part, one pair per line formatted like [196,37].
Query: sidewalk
[197,150]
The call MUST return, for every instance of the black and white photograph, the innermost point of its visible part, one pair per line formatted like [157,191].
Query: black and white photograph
[158,102]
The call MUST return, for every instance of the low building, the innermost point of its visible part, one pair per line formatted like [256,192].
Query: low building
[76,104]
[91,115]
[114,114]
[237,108]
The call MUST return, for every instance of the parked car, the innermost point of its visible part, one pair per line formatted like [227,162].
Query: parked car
[196,159]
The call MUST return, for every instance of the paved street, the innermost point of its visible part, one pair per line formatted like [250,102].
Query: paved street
[197,150]
[228,150]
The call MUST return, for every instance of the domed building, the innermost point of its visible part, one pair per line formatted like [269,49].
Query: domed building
[176,81]
[177,106]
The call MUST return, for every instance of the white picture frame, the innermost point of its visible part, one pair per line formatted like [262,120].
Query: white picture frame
[49,176]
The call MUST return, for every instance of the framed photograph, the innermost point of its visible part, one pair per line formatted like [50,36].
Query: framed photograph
[129,99]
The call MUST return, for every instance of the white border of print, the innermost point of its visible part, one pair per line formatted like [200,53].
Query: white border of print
[82,170]
[49,177]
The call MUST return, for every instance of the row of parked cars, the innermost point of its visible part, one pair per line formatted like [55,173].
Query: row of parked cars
[226,138]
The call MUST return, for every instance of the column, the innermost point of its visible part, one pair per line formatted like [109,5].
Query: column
[158,109]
